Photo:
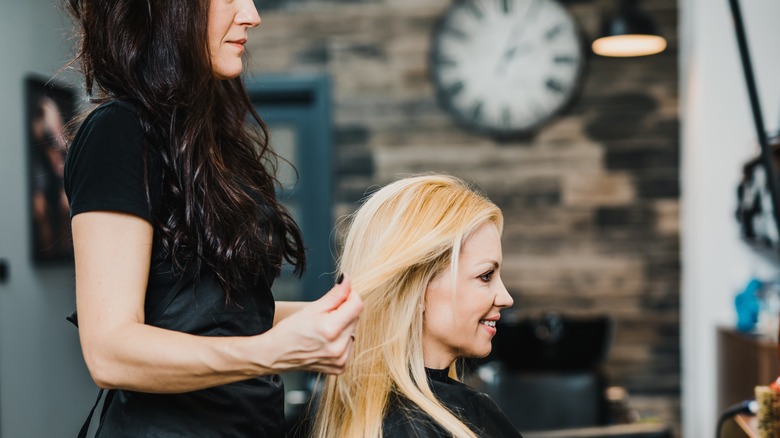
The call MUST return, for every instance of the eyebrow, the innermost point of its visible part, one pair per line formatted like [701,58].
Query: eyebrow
[491,261]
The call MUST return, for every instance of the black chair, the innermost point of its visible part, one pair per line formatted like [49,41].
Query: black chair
[541,400]
[547,375]
[553,342]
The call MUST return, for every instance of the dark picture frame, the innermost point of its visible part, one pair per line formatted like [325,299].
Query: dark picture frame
[50,108]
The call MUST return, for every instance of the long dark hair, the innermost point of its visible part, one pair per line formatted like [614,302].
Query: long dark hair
[218,171]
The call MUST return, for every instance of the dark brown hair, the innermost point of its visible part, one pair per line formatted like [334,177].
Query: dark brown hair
[218,171]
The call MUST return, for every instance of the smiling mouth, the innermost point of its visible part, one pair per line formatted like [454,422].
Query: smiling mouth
[488,323]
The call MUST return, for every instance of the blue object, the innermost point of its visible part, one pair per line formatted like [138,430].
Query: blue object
[747,304]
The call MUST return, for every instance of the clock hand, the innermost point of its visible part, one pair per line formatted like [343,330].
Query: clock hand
[519,27]
[517,50]
[516,33]
[511,53]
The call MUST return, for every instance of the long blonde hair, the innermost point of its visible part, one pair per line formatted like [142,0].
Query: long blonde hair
[398,240]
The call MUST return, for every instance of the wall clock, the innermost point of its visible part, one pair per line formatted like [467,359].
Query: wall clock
[505,67]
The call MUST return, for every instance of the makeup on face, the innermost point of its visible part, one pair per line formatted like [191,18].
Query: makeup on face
[463,324]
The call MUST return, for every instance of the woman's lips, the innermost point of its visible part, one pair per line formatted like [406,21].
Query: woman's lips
[488,325]
[239,44]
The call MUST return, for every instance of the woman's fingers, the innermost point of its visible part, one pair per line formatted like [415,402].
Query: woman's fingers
[336,353]
[339,364]
[348,312]
[342,306]
[337,295]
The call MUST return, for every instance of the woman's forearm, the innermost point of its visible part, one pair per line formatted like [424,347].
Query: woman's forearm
[313,336]
[113,253]
[287,308]
[140,357]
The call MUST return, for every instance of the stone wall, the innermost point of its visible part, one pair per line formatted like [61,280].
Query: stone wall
[591,202]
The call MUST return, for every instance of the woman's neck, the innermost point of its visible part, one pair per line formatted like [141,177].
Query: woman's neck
[438,361]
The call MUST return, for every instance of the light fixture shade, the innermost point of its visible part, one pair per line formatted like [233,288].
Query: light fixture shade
[629,32]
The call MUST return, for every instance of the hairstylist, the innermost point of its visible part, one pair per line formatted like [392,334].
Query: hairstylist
[171,189]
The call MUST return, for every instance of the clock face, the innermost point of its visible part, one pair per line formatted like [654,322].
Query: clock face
[504,67]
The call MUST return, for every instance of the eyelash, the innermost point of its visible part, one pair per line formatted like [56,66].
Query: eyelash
[488,274]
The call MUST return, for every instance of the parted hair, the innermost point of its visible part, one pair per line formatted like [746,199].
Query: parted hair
[397,241]
[218,172]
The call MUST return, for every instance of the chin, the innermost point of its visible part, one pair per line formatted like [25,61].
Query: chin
[226,74]
[479,353]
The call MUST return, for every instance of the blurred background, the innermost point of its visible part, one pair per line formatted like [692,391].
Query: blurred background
[618,181]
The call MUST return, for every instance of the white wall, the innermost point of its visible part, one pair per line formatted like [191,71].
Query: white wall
[718,136]
[45,390]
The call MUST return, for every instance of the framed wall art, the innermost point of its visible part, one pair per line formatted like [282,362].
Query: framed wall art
[49,109]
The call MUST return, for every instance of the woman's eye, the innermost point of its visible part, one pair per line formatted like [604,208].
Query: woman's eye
[486,276]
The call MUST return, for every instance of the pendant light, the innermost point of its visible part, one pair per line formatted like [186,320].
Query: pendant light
[630,32]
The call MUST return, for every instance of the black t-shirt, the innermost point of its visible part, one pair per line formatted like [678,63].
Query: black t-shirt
[105,171]
[477,410]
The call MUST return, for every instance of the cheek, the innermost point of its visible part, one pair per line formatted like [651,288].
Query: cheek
[473,308]
[442,326]
[211,30]
[213,47]
[217,28]
[435,321]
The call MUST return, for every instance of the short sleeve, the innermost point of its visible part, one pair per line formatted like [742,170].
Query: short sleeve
[104,168]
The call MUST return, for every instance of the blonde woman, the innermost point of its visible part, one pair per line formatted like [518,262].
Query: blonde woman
[425,254]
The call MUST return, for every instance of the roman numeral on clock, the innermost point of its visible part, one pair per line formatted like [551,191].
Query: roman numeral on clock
[507,6]
[506,116]
[554,85]
[475,10]
[456,33]
[454,89]
[476,110]
[554,32]
[445,61]
[563,59]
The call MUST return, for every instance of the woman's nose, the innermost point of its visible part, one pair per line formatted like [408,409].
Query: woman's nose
[247,14]
[503,298]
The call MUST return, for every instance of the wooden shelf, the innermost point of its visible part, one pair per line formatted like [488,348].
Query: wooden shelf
[744,361]
[748,424]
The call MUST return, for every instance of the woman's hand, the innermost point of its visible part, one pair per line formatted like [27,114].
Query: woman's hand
[318,337]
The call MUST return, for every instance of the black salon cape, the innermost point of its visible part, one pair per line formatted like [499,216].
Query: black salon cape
[477,410]
[104,171]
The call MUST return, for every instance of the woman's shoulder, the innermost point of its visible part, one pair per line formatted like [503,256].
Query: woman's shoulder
[115,122]
[404,419]
[113,119]
[475,408]
[112,112]
[104,166]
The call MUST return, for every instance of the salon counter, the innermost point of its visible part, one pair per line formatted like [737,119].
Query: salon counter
[744,361]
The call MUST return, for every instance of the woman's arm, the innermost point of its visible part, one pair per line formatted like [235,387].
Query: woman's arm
[113,253]
[287,308]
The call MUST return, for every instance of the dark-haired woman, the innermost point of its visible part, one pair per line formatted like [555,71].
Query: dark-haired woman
[169,185]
